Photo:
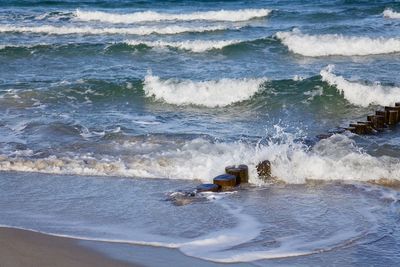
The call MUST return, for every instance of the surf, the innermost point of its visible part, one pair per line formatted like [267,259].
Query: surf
[337,44]
[149,16]
[361,94]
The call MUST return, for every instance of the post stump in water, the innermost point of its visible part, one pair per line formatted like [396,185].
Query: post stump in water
[264,169]
[393,114]
[225,181]
[384,114]
[241,173]
[207,188]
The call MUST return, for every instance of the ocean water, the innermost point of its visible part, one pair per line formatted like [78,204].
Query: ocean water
[109,108]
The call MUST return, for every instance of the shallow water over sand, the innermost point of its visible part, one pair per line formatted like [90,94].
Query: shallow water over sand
[293,224]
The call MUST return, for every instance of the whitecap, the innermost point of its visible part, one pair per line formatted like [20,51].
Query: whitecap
[139,30]
[337,44]
[213,93]
[196,46]
[361,94]
[391,14]
[148,16]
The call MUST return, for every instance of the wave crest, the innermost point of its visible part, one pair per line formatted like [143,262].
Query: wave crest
[214,93]
[142,30]
[337,44]
[360,94]
[391,14]
[196,46]
[148,16]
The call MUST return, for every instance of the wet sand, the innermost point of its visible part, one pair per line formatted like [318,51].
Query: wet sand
[21,248]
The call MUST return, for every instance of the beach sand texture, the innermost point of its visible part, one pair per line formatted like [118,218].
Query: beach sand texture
[21,248]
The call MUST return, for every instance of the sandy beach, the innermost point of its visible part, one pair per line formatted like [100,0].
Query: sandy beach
[21,248]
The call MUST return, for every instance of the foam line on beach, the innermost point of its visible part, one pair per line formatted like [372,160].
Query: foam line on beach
[149,16]
[337,44]
[108,240]
[361,94]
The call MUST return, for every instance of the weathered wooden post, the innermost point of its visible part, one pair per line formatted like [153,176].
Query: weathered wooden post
[382,113]
[264,169]
[380,121]
[225,181]
[397,108]
[374,122]
[241,173]
[359,128]
[393,114]
[369,128]
[207,188]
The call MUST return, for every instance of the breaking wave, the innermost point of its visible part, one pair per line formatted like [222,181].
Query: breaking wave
[334,158]
[140,30]
[337,44]
[360,94]
[196,46]
[391,14]
[214,93]
[146,16]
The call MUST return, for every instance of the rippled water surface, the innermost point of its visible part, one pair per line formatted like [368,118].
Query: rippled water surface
[177,90]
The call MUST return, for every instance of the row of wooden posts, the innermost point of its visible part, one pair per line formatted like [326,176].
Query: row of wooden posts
[382,119]
[235,176]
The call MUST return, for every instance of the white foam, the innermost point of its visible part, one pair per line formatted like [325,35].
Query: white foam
[337,44]
[319,91]
[196,46]
[139,30]
[146,16]
[212,93]
[215,244]
[361,94]
[335,158]
[391,14]
[297,78]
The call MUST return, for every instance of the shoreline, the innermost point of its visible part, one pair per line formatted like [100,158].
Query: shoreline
[29,248]
[24,248]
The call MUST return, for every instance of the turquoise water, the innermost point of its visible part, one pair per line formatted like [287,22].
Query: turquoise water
[177,90]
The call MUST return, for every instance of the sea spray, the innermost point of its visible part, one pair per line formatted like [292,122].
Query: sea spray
[334,158]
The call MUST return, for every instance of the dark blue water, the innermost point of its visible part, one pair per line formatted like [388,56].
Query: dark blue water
[180,89]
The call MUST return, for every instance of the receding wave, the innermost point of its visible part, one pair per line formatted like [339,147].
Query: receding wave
[140,30]
[337,44]
[391,14]
[197,46]
[145,16]
[361,94]
[214,93]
